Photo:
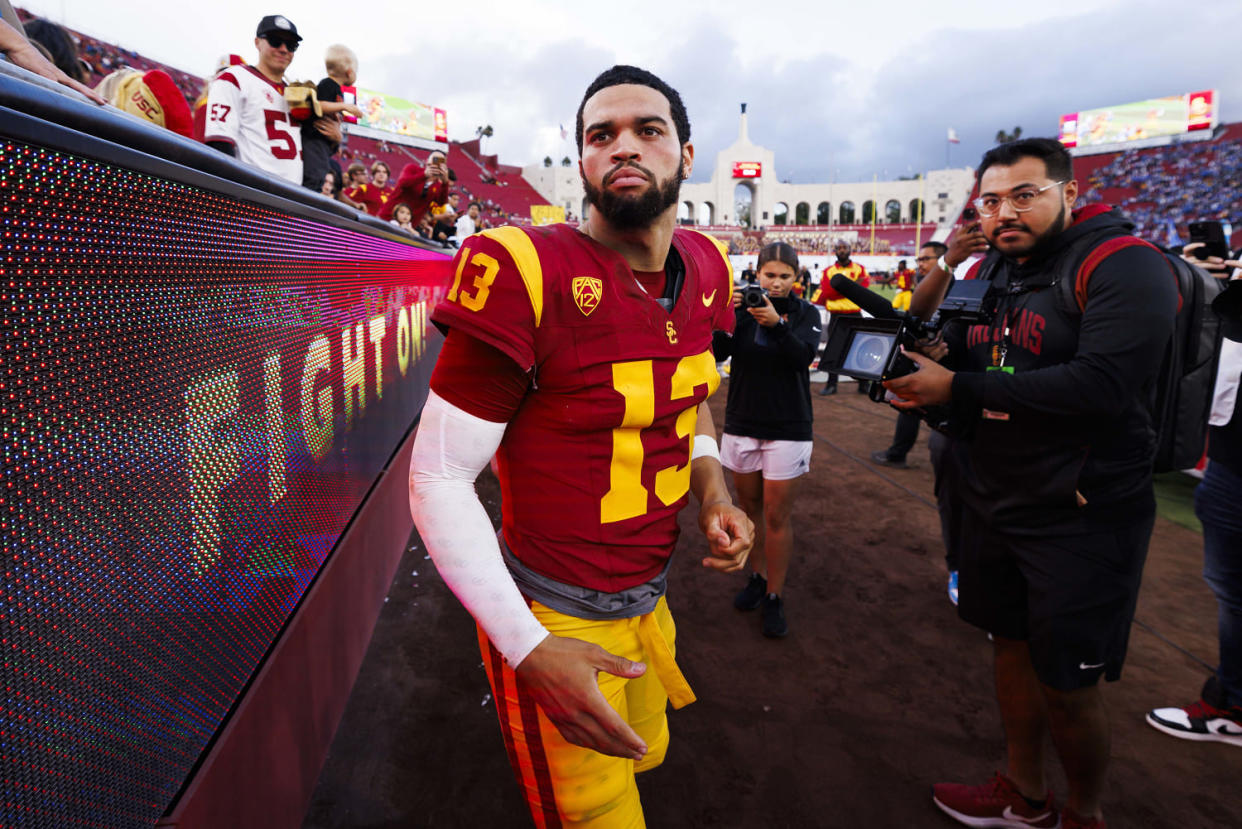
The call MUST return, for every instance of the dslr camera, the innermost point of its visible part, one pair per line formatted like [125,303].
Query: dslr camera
[870,349]
[754,297]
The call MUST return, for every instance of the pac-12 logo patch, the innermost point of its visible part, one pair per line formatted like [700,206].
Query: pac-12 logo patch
[588,290]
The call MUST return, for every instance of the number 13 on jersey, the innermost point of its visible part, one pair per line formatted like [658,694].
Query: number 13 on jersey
[635,382]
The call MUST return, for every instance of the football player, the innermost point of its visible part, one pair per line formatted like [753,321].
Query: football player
[836,304]
[581,359]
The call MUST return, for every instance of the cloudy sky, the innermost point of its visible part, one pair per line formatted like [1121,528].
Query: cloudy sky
[843,90]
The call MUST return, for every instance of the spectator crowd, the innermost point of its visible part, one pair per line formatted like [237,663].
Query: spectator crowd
[1168,187]
[248,110]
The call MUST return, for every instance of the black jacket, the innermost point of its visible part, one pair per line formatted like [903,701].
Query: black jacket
[1073,418]
[769,378]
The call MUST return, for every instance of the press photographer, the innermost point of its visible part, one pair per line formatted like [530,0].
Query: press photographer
[767,431]
[1055,478]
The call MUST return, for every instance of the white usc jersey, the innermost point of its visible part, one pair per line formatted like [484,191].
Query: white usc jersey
[250,112]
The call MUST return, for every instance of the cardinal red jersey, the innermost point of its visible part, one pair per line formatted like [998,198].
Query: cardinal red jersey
[595,463]
[371,196]
[413,191]
[904,280]
[825,295]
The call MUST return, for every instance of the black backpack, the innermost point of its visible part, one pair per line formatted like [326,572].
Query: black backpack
[1182,400]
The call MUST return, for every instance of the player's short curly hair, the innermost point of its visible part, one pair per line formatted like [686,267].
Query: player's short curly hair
[622,74]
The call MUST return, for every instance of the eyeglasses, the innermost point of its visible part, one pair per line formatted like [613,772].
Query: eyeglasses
[277,41]
[1021,201]
[926,259]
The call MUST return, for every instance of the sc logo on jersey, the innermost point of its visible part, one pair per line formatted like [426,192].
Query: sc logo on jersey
[588,291]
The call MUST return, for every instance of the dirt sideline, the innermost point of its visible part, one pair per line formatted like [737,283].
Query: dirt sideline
[878,691]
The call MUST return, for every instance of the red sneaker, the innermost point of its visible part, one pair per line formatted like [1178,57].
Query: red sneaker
[998,803]
[1072,820]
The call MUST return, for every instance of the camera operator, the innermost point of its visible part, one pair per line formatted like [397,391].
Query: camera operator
[767,432]
[1054,473]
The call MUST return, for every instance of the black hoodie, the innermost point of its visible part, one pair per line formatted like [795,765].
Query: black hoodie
[1072,421]
[769,379]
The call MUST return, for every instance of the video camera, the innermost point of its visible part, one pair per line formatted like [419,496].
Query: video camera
[869,349]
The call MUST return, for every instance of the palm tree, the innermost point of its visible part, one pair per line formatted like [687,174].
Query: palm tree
[547,161]
[565,162]
[1003,137]
[482,133]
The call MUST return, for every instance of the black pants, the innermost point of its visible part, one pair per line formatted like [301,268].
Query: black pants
[904,436]
[947,502]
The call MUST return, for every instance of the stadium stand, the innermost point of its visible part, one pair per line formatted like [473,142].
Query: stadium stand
[1164,188]
[893,239]
[506,196]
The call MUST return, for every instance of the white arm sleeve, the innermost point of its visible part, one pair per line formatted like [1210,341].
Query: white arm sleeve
[450,450]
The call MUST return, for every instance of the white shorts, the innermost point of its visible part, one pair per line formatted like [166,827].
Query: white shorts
[780,460]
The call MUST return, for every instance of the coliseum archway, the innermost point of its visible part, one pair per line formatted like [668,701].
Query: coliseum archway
[744,204]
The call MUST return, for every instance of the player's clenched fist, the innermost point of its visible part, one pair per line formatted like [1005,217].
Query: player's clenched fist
[730,535]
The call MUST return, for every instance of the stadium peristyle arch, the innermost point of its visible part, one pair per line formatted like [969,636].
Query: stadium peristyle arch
[745,174]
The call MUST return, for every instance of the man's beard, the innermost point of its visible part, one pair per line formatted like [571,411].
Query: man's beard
[635,212]
[1041,243]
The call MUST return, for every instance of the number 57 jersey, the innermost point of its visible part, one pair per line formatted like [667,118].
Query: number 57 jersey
[249,111]
[595,463]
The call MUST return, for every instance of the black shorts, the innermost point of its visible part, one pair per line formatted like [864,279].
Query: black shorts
[1071,597]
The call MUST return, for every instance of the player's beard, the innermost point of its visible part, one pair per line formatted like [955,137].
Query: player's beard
[626,212]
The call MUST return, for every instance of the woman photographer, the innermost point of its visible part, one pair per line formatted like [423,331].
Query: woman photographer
[767,432]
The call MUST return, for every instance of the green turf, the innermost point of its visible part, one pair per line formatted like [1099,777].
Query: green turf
[888,291]
[1175,499]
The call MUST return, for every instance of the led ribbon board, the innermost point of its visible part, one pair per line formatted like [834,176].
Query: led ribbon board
[196,394]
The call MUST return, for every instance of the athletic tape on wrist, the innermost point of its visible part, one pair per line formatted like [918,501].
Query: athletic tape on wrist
[705,447]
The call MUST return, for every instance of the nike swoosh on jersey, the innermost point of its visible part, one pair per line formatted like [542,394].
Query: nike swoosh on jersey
[707,298]
[1083,666]
[1009,814]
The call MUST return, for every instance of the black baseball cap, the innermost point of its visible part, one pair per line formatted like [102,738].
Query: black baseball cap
[277,24]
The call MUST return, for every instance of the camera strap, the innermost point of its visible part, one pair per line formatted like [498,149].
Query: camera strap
[1012,300]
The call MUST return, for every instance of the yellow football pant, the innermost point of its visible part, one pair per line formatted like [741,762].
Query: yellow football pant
[569,786]
[902,301]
